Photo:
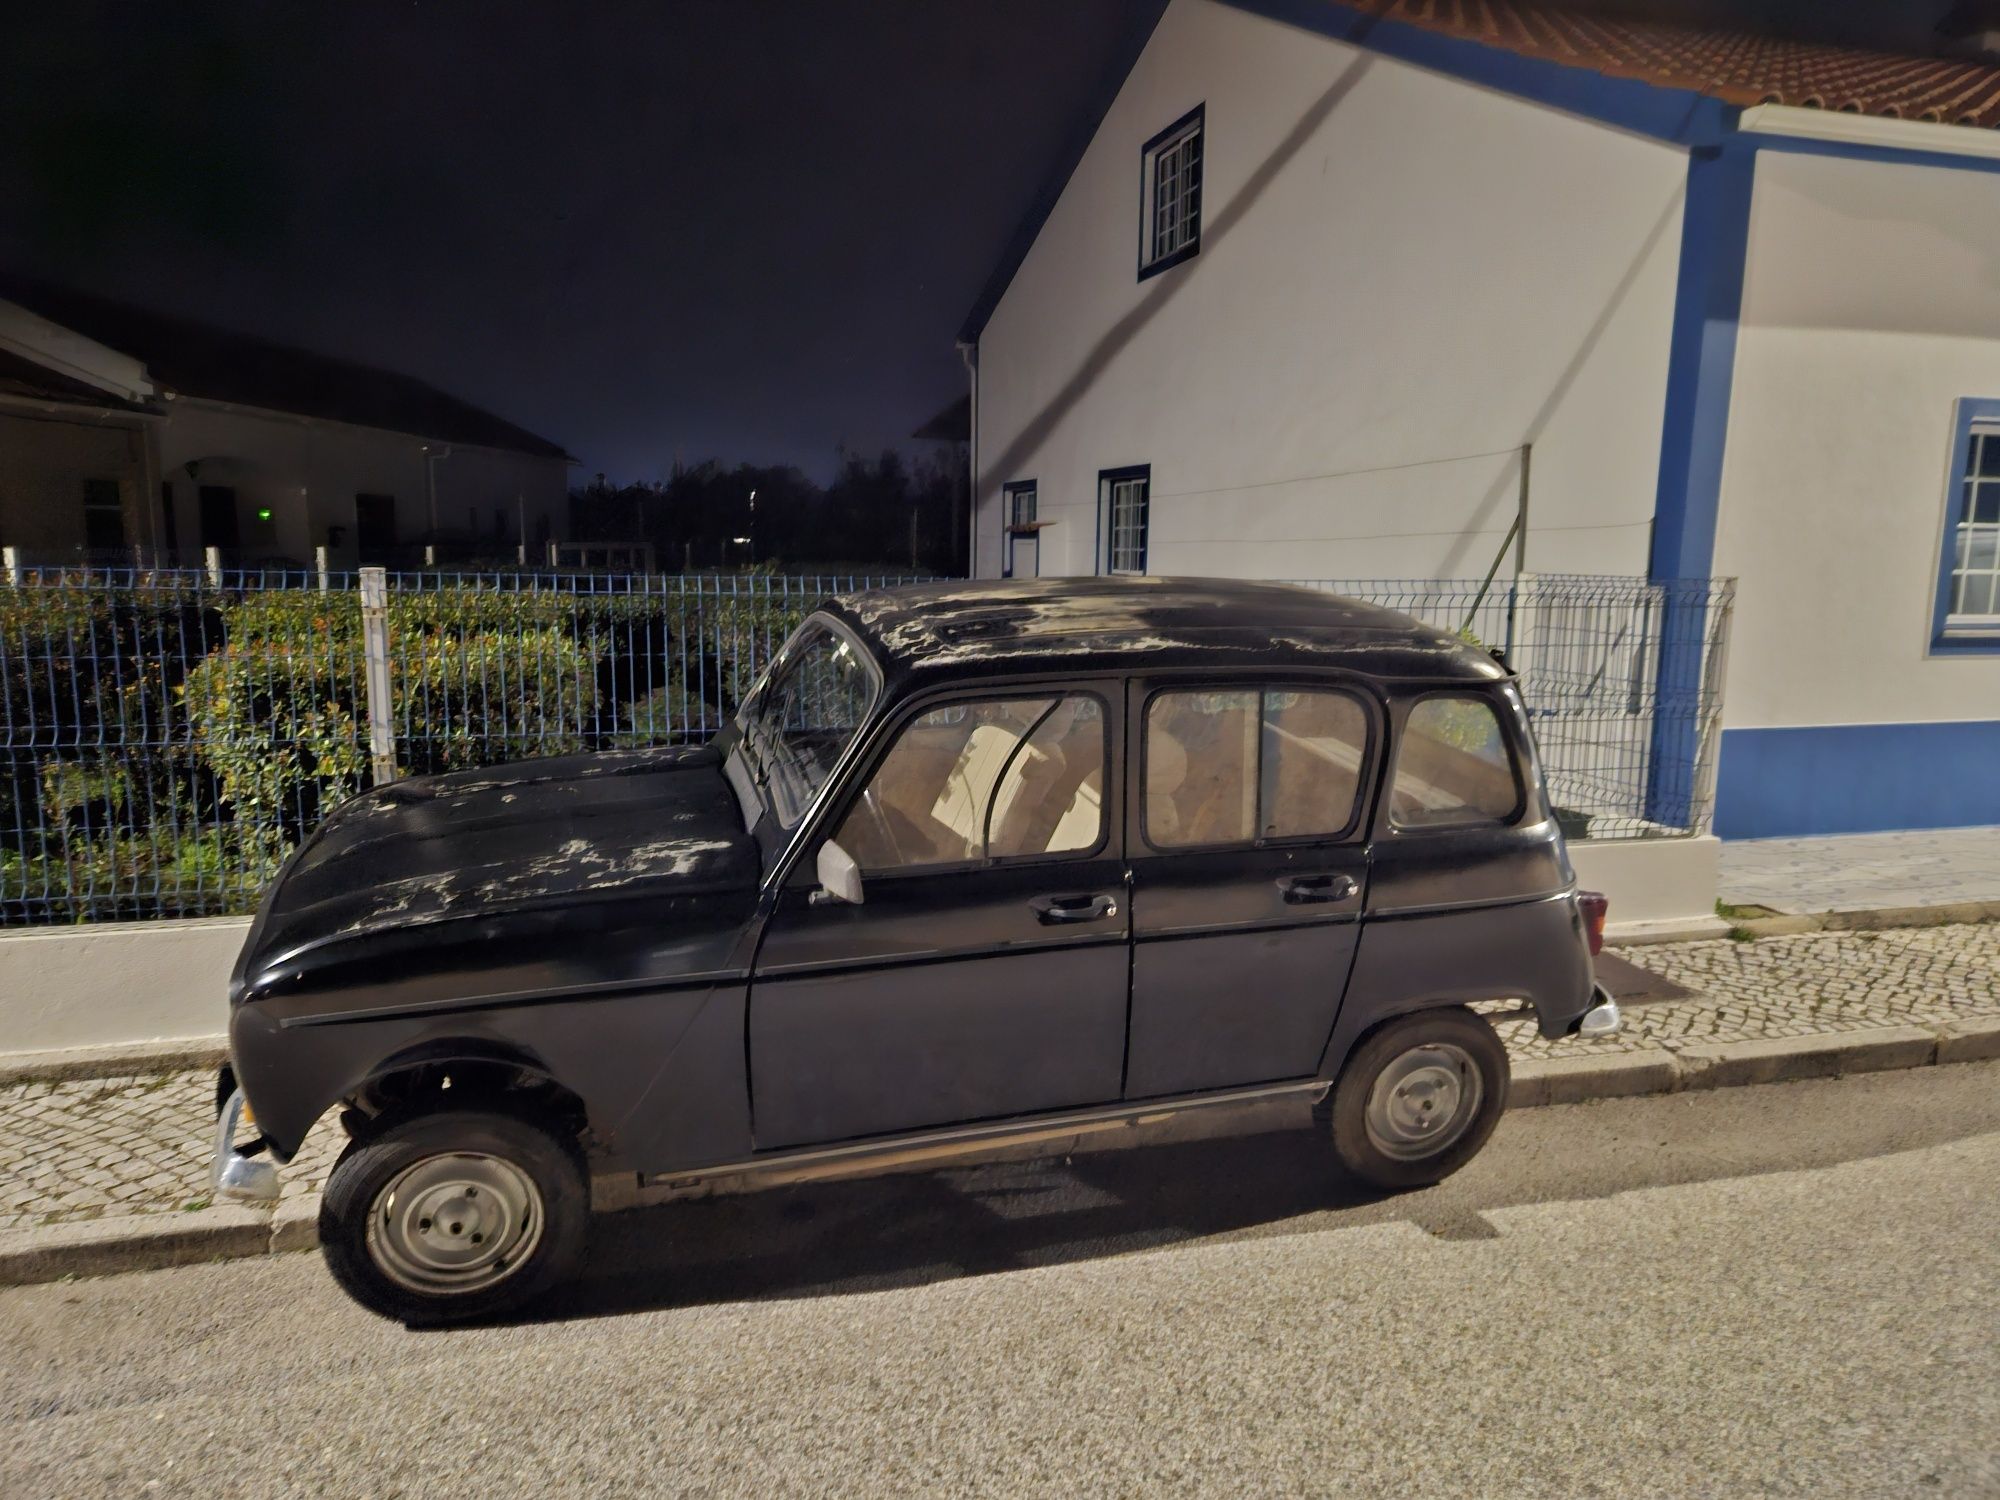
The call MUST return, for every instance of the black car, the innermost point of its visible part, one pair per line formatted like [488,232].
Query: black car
[974,862]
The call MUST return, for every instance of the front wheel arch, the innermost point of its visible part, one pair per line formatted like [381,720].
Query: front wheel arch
[463,1077]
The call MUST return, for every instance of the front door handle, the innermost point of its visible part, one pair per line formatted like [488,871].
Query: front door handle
[1303,890]
[1051,911]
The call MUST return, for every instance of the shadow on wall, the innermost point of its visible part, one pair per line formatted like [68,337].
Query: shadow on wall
[1014,457]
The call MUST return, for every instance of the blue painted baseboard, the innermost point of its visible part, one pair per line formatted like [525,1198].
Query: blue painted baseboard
[1857,778]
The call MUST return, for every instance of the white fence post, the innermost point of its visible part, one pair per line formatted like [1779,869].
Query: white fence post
[213,555]
[10,560]
[375,650]
[319,564]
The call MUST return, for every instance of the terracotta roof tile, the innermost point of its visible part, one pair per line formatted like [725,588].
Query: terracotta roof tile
[1733,66]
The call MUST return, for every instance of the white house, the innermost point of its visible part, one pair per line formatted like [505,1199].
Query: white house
[1319,275]
[125,435]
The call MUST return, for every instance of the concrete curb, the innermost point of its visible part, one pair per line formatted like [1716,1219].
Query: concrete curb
[140,1060]
[1953,914]
[148,1242]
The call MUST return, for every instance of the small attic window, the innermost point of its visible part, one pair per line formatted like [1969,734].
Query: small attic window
[1170,195]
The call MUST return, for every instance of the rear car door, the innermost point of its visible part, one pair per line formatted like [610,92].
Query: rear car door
[984,972]
[1249,871]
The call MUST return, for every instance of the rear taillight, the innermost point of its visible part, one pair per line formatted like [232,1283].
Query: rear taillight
[1592,906]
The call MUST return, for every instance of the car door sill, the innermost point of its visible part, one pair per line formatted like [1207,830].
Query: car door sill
[807,1162]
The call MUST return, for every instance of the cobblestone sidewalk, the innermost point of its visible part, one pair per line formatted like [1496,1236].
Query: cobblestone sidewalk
[88,1149]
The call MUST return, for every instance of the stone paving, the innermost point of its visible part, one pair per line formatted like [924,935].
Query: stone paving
[1863,871]
[88,1149]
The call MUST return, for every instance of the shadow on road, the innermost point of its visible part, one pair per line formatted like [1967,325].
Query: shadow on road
[832,1238]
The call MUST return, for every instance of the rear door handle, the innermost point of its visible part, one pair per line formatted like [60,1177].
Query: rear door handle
[1051,911]
[1302,890]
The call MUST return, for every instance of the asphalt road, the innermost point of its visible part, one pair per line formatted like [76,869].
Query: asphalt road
[1788,1290]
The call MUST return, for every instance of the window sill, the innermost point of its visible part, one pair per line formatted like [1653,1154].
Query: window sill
[1168,262]
[1964,641]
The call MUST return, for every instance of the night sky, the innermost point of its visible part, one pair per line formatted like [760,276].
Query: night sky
[684,228]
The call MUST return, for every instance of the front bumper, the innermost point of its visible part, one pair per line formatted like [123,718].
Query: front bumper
[232,1174]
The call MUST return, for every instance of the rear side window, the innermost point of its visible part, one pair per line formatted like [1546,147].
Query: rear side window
[1454,766]
[999,778]
[1242,766]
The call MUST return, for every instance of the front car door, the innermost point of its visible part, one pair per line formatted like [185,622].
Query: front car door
[1249,868]
[984,973]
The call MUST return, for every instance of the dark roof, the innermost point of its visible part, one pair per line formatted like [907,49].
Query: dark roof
[1118,624]
[1733,67]
[23,377]
[1737,67]
[196,359]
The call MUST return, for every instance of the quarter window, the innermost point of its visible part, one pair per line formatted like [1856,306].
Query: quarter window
[1170,185]
[992,779]
[1972,543]
[1243,766]
[1454,766]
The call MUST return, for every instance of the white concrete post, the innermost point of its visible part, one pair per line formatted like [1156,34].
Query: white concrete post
[552,553]
[430,555]
[213,556]
[319,565]
[10,561]
[375,649]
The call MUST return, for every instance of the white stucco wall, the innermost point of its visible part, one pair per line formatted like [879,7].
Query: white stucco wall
[1402,278]
[307,473]
[1871,303]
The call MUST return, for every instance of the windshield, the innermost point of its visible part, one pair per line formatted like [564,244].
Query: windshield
[798,724]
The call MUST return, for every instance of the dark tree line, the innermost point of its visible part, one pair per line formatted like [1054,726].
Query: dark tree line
[886,513]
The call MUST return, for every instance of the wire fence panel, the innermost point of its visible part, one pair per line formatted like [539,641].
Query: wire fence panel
[168,737]
[1622,678]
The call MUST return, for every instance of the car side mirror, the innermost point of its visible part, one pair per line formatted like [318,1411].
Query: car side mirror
[839,877]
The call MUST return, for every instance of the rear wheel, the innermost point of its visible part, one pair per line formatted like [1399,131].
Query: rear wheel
[453,1216]
[1418,1098]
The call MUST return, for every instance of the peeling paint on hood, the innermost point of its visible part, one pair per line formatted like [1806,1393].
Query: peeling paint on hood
[512,838]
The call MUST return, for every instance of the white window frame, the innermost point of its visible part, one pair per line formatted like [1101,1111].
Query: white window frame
[1173,161]
[1125,541]
[1973,493]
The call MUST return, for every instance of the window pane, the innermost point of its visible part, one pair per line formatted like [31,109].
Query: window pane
[1313,748]
[1201,757]
[1051,800]
[799,725]
[1453,766]
[1985,504]
[1985,455]
[954,778]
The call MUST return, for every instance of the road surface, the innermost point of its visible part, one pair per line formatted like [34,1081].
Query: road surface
[1788,1290]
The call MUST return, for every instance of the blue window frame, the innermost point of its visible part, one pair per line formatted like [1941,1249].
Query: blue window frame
[1124,516]
[1966,617]
[1170,173]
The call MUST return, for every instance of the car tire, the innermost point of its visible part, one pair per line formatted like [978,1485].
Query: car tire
[1417,1098]
[454,1216]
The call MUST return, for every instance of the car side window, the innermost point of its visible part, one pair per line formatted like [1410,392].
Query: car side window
[1454,766]
[1245,765]
[997,778]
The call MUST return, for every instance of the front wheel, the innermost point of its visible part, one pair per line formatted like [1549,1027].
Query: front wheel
[453,1216]
[1418,1098]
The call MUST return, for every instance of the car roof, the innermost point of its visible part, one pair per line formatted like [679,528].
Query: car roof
[987,627]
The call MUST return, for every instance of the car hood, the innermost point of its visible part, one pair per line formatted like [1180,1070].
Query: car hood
[504,841]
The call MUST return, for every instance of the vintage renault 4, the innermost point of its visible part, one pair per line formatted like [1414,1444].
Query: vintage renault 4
[974,863]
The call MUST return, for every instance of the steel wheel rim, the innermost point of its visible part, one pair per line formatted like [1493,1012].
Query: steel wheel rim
[1424,1101]
[454,1223]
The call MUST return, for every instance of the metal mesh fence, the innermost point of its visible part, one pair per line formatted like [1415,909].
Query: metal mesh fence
[167,737]
[1622,678]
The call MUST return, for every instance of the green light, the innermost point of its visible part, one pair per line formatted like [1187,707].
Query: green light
[264,515]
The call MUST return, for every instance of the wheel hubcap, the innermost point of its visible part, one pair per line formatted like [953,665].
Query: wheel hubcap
[454,1223]
[1423,1101]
